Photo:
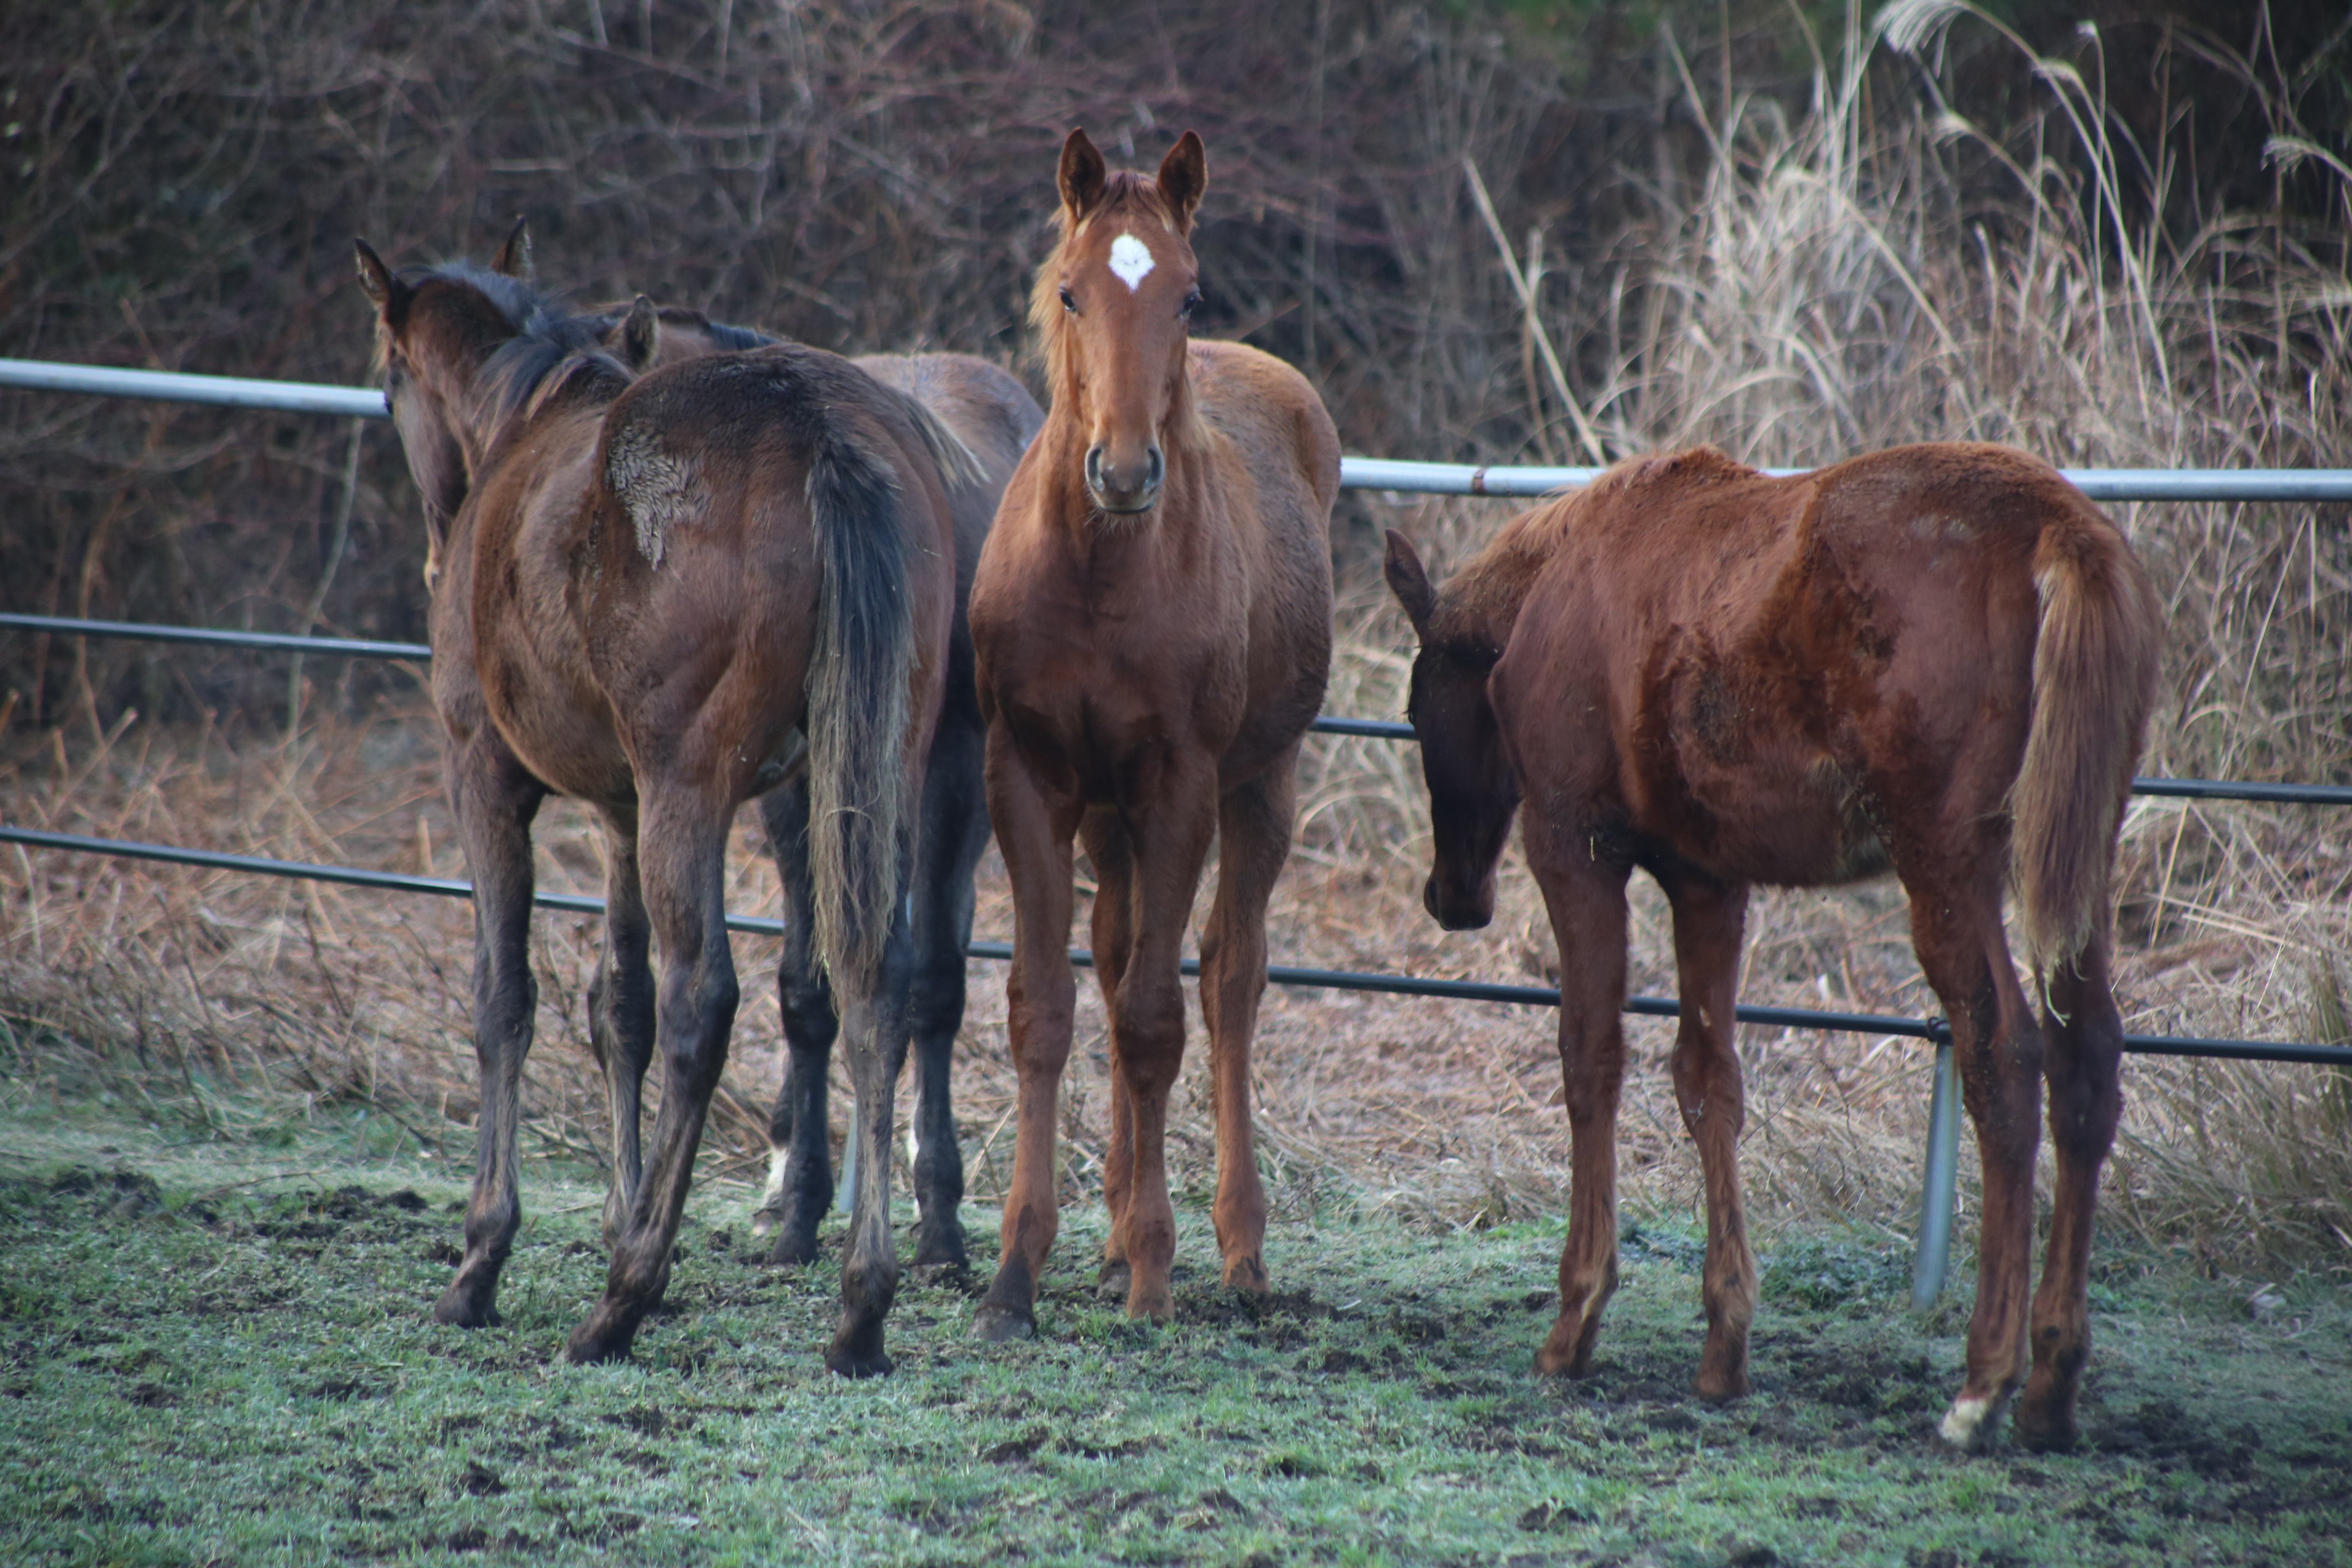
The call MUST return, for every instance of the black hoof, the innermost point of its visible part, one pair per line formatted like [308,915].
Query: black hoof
[604,1337]
[857,1352]
[794,1248]
[940,1249]
[468,1306]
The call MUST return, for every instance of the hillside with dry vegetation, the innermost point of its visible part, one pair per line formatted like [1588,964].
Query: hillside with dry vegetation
[1552,232]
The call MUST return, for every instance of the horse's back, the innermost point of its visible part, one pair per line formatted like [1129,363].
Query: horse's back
[984,403]
[1283,439]
[1277,425]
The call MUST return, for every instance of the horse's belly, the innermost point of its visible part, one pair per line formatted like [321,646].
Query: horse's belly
[1807,826]
[563,734]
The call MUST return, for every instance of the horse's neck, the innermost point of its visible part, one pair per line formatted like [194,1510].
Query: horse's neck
[1482,603]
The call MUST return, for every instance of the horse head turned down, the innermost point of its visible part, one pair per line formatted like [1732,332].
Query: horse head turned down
[1937,659]
[666,593]
[1153,622]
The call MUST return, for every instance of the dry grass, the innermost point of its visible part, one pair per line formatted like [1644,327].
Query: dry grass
[1839,280]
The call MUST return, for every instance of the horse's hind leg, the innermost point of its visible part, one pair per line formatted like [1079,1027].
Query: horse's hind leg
[955,832]
[1586,900]
[2086,1046]
[800,1160]
[495,800]
[1253,841]
[1996,1045]
[1708,917]
[621,1012]
[683,844]
[1113,935]
[874,1039]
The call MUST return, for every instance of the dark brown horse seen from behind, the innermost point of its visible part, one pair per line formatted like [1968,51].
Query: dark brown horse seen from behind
[1153,619]
[1938,658]
[994,416]
[664,597]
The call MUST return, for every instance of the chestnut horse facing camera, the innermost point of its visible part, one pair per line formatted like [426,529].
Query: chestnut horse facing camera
[664,596]
[1153,619]
[1937,659]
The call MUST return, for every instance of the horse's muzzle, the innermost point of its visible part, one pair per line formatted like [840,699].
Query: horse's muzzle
[1116,490]
[1458,914]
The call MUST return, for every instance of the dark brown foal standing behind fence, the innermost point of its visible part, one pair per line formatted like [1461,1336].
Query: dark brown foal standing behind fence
[664,598]
[1152,618]
[1936,658]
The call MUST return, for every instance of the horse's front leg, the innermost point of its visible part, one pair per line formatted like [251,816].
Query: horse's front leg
[621,1011]
[799,1161]
[495,800]
[1253,841]
[874,1037]
[1586,900]
[1035,835]
[683,845]
[1171,835]
[1708,918]
[2085,1037]
[1112,932]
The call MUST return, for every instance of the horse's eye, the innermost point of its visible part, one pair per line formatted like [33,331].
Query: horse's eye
[1069,304]
[1192,303]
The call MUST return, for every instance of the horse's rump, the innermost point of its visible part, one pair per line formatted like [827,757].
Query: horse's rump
[753,459]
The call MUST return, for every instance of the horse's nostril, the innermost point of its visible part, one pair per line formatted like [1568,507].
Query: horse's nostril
[1158,470]
[1094,468]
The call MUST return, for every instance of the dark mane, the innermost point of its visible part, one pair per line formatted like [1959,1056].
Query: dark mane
[543,339]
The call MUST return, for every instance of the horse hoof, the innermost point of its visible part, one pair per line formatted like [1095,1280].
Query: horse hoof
[940,1253]
[1722,1388]
[1001,1325]
[1970,1423]
[1248,1273]
[936,1275]
[1154,1306]
[589,1346]
[764,1221]
[1113,1282]
[465,1308]
[857,1354]
[2054,1433]
[793,1249]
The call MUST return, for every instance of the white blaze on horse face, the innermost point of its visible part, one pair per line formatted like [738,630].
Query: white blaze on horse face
[1130,261]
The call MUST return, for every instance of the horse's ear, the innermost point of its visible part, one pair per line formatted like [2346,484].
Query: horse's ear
[641,336]
[375,278]
[1407,582]
[513,258]
[1185,178]
[1083,175]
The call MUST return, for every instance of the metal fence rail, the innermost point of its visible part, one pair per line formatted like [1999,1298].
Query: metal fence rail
[1936,1198]
[1355,473]
[1374,729]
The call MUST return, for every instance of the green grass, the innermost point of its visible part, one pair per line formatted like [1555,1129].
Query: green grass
[219,1352]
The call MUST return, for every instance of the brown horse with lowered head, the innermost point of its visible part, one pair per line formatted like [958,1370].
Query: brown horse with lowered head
[664,596]
[1152,616]
[1937,659]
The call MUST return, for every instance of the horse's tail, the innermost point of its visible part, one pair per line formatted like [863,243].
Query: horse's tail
[2095,668]
[858,701]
